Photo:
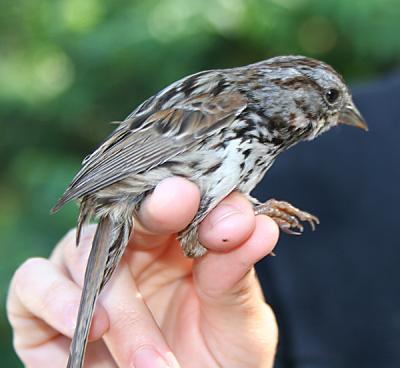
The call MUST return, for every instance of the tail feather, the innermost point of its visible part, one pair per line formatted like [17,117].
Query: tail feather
[108,245]
[85,214]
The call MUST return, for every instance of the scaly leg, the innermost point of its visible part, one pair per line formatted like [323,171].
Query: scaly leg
[286,216]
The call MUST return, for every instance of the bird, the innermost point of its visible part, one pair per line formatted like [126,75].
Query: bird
[222,129]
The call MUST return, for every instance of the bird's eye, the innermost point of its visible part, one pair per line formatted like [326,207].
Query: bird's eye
[331,95]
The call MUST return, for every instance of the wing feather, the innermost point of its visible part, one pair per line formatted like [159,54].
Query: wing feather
[163,135]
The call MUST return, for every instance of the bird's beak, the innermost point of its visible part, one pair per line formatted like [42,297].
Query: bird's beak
[351,116]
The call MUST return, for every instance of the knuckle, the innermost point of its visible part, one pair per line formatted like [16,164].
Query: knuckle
[70,235]
[68,243]
[19,284]
[22,274]
[20,348]
[242,295]
[269,333]
[51,295]
[28,356]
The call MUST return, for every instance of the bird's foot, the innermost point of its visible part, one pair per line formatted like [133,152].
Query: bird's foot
[286,216]
[190,244]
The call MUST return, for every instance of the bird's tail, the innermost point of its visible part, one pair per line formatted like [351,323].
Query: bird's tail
[108,246]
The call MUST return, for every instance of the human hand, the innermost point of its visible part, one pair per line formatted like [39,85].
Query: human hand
[159,307]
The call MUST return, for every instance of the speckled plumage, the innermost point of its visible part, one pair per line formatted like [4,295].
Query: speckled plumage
[221,129]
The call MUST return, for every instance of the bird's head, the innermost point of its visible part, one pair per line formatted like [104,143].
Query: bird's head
[303,97]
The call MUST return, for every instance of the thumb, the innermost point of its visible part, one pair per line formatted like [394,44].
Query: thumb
[236,240]
[224,278]
[228,290]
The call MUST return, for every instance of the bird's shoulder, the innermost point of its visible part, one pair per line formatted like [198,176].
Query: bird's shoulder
[189,105]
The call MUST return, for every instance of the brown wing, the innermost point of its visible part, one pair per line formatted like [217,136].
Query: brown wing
[162,135]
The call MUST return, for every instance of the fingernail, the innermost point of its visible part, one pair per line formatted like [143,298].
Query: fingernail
[221,212]
[149,358]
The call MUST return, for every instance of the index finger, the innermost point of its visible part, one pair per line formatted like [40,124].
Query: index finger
[167,210]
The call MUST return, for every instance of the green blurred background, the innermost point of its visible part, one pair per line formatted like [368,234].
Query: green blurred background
[68,67]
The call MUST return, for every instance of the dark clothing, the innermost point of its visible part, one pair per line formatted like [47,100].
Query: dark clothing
[336,291]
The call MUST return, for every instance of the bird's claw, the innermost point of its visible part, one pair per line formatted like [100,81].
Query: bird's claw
[286,216]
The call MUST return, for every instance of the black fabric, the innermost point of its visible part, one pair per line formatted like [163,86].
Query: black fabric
[336,291]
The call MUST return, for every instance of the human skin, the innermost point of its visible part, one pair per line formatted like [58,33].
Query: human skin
[159,308]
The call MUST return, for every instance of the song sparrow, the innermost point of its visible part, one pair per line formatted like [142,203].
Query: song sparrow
[221,129]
